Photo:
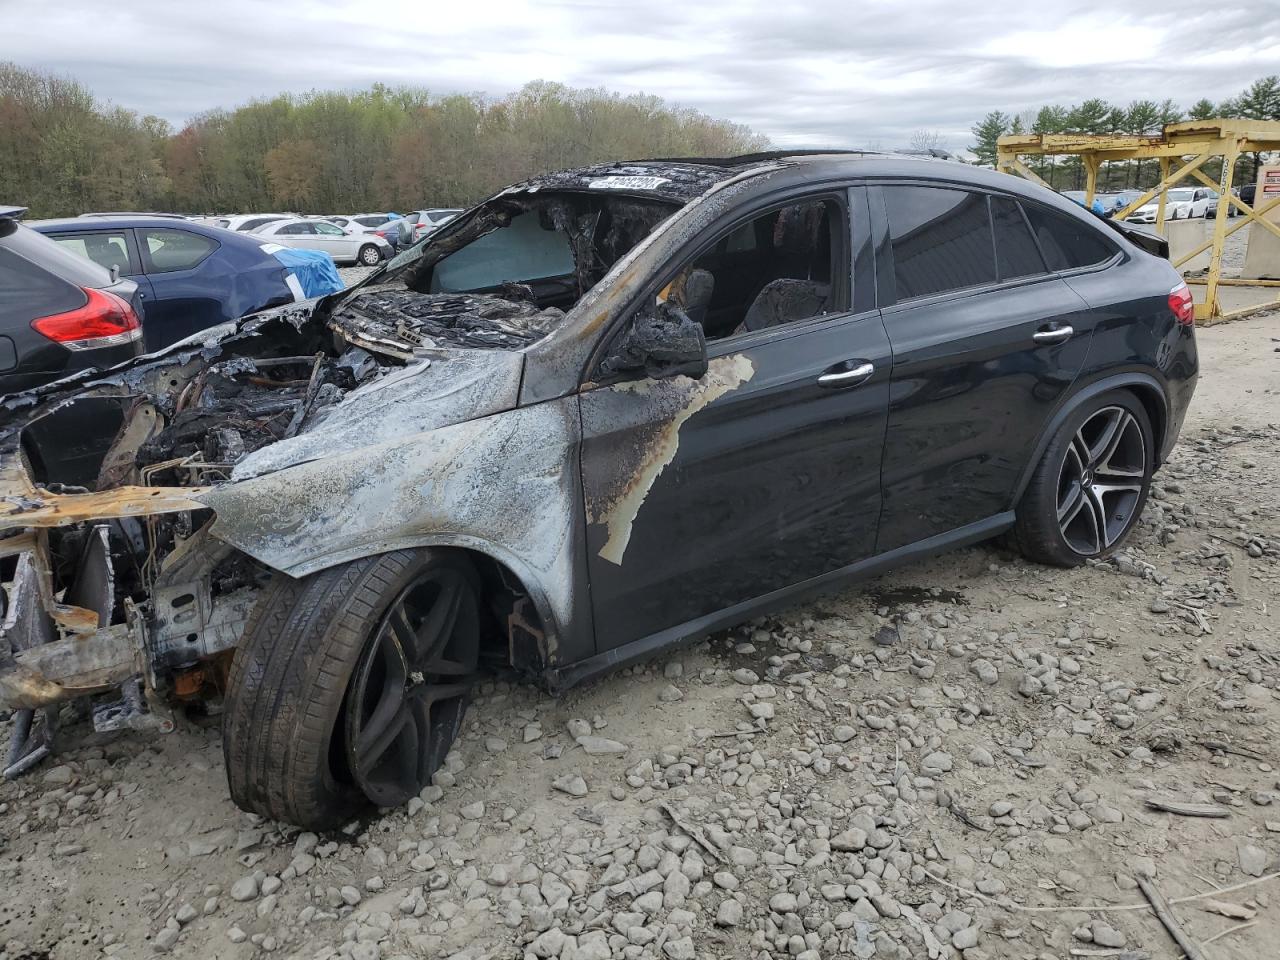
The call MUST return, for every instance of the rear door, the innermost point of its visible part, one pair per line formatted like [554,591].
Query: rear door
[765,472]
[115,247]
[188,293]
[986,340]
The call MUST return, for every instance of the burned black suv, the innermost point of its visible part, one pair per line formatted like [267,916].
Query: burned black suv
[604,411]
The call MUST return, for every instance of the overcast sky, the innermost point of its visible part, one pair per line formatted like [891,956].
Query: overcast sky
[850,73]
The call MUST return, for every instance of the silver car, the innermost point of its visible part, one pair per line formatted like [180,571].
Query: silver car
[425,222]
[366,248]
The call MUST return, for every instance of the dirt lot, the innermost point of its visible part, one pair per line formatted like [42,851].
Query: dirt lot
[955,757]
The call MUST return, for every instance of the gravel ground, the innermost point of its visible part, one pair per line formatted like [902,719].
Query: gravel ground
[952,760]
[353,275]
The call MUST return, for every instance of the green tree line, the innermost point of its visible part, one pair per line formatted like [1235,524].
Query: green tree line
[1259,101]
[63,153]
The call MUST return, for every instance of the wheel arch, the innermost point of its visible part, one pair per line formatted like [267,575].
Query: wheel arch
[531,631]
[1143,386]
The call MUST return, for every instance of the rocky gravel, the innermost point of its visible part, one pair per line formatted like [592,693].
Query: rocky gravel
[964,758]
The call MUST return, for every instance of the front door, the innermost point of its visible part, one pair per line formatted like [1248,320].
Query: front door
[190,292]
[986,340]
[764,473]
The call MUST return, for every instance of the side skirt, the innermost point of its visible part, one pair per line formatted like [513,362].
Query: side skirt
[559,679]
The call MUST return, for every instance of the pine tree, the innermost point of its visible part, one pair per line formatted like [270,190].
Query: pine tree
[986,134]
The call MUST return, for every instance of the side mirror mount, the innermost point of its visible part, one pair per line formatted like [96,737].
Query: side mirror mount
[659,344]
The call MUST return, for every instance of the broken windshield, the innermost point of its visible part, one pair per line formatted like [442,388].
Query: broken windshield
[529,248]
[503,277]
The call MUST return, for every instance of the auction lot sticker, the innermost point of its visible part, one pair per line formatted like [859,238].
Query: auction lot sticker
[627,183]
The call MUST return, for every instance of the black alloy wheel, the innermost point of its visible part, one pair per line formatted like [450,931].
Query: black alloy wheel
[349,685]
[1089,486]
[1101,481]
[410,686]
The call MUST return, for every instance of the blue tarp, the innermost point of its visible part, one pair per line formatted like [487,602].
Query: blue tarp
[313,269]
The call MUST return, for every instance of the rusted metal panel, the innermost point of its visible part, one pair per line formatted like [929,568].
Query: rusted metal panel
[43,509]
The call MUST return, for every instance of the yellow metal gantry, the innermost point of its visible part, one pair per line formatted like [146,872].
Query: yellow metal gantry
[1182,149]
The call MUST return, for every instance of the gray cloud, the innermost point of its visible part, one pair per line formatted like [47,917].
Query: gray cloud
[832,74]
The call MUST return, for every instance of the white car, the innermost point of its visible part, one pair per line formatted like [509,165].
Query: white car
[244,222]
[305,234]
[1181,203]
[429,221]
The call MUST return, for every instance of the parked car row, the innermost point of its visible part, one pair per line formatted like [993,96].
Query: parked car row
[93,291]
[1181,203]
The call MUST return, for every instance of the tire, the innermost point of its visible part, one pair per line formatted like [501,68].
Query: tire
[370,255]
[308,652]
[1086,474]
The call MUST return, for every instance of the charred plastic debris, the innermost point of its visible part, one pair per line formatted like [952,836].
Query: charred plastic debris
[114,584]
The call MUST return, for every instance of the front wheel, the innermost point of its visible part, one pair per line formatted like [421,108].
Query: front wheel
[1090,486]
[370,255]
[349,686]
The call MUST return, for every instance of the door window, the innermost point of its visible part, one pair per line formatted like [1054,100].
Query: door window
[329,230]
[941,240]
[106,248]
[170,250]
[1068,243]
[780,267]
[1016,252]
[296,230]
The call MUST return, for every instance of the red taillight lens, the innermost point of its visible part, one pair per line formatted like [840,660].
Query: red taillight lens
[1183,307]
[104,321]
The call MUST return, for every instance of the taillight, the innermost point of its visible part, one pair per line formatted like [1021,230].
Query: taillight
[104,321]
[1182,305]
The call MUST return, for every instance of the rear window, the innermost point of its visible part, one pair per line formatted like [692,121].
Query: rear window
[27,292]
[170,250]
[1068,243]
[941,240]
[257,222]
[1016,252]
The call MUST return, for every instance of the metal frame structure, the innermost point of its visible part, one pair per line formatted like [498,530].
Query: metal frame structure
[1181,149]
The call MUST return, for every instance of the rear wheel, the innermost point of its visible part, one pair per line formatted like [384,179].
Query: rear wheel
[350,685]
[370,255]
[1091,484]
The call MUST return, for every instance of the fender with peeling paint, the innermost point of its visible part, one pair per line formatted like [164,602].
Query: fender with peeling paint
[506,484]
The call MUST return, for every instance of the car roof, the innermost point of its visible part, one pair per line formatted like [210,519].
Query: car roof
[77,224]
[102,221]
[683,179]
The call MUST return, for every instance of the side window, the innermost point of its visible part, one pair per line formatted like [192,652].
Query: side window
[941,240]
[1067,243]
[1016,251]
[169,250]
[781,267]
[328,229]
[107,248]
